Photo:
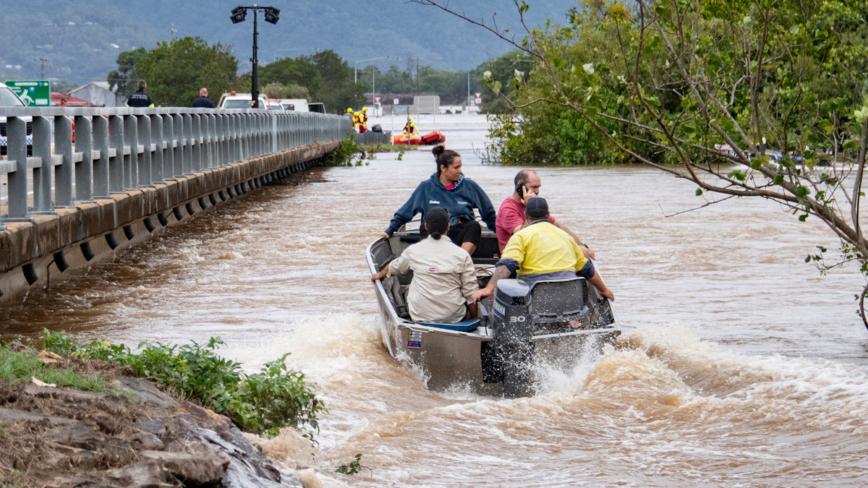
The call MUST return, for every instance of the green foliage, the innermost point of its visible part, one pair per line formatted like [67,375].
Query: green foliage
[327,77]
[176,70]
[124,79]
[277,90]
[262,402]
[22,366]
[345,154]
[353,467]
[275,397]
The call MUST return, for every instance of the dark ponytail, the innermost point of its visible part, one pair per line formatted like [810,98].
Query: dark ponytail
[444,157]
[436,235]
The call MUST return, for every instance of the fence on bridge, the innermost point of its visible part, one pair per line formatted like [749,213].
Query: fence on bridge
[78,155]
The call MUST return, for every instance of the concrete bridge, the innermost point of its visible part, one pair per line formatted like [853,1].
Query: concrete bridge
[131,173]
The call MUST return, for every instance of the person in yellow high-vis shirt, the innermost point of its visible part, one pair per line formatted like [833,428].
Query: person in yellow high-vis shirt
[410,128]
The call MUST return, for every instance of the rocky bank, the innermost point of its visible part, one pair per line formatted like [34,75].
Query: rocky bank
[56,437]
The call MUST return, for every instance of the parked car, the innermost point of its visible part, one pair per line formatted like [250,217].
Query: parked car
[295,104]
[318,107]
[274,105]
[8,98]
[240,100]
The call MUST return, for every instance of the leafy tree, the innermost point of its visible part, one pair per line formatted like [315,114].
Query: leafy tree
[327,77]
[178,69]
[277,90]
[752,98]
[125,77]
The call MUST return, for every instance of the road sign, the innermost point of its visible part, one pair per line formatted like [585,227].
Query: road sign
[479,95]
[397,102]
[34,93]
[479,101]
[377,99]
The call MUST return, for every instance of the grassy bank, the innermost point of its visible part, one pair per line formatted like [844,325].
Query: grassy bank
[24,366]
[262,402]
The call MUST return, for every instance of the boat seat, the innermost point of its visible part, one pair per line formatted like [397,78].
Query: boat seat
[463,326]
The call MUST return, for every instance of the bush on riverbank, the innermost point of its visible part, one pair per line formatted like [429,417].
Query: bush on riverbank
[344,154]
[261,402]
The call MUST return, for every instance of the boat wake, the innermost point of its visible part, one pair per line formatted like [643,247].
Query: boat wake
[662,403]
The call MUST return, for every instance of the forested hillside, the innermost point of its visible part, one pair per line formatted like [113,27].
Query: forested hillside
[79,38]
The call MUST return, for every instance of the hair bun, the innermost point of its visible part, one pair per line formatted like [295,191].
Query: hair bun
[438,150]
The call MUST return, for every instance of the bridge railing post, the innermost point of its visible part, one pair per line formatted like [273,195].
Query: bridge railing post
[188,143]
[158,155]
[116,154]
[63,171]
[131,166]
[84,167]
[101,162]
[167,140]
[42,203]
[15,168]
[143,149]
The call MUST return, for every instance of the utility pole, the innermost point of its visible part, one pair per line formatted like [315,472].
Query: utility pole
[417,76]
[42,69]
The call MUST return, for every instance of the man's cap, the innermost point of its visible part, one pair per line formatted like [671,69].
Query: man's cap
[437,218]
[537,208]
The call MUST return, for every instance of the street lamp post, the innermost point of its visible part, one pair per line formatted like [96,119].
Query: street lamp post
[272,15]
[356,74]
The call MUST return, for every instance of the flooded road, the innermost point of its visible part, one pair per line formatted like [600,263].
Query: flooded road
[740,365]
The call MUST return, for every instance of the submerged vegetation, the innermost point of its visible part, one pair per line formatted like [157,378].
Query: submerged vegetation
[345,154]
[261,402]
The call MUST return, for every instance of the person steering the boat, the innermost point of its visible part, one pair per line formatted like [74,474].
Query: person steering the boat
[448,188]
[444,277]
[511,216]
[541,251]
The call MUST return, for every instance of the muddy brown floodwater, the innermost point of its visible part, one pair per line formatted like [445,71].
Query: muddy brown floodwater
[740,365]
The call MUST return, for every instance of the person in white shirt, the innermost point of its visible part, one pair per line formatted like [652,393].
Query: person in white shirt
[444,277]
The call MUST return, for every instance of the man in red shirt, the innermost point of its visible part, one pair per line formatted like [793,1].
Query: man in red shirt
[511,218]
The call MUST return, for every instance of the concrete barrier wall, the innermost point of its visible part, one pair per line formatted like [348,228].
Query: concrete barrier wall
[98,200]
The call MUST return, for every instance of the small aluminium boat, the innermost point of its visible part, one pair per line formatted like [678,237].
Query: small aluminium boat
[522,331]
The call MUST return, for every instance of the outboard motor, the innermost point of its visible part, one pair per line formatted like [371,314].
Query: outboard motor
[512,343]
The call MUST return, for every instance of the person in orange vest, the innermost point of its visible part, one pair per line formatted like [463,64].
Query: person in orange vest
[363,120]
[410,128]
[357,121]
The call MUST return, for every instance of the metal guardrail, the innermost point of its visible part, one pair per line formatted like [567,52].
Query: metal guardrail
[121,149]
[374,137]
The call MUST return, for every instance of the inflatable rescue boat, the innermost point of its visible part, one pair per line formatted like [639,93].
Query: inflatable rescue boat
[433,137]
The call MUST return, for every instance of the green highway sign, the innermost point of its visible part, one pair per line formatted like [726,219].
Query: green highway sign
[34,93]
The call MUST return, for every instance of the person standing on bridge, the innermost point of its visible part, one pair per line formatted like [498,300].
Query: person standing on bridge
[203,101]
[140,99]
[448,188]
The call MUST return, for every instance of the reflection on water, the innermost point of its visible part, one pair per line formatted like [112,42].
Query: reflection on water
[740,365]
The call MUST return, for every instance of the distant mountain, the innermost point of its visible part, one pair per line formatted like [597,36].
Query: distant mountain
[81,40]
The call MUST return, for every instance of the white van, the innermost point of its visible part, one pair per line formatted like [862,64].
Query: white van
[295,104]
